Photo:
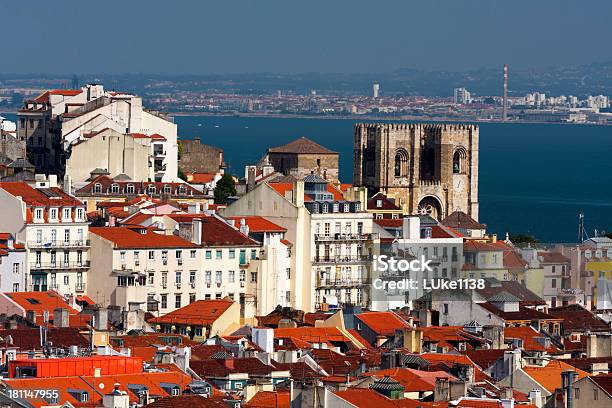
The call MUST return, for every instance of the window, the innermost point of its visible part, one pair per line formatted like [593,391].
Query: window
[179,254]
[177,300]
[357,206]
[218,254]
[192,298]
[38,214]
[192,277]
[253,254]
[232,254]
[458,160]
[122,256]
[336,207]
[231,276]
[15,287]
[595,394]
[208,277]
[379,203]
[218,277]
[182,190]
[324,208]
[66,258]
[242,275]
[178,277]
[151,278]
[253,277]
[218,296]
[288,273]
[151,189]
[164,257]
[288,297]
[192,254]
[401,163]
[53,214]
[445,308]
[151,255]
[15,267]
[577,393]
[114,188]
[97,188]
[136,257]
[164,301]
[66,214]
[164,279]
[66,235]
[66,280]
[129,189]
[360,228]
[167,189]
[553,283]
[208,254]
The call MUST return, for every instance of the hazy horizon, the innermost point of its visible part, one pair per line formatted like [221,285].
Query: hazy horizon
[277,37]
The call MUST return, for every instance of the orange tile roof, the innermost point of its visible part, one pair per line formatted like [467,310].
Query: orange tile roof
[258,224]
[124,237]
[383,323]
[360,339]
[528,334]
[269,399]
[549,376]
[200,312]
[363,397]
[201,178]
[34,197]
[41,302]
[312,334]
[281,188]
[412,380]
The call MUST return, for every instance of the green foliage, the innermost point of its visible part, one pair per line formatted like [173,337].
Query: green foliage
[182,175]
[226,187]
[523,239]
[181,149]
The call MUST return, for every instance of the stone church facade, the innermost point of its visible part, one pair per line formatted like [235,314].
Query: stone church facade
[427,168]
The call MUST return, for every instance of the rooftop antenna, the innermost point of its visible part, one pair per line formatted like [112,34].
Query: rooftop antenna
[582,234]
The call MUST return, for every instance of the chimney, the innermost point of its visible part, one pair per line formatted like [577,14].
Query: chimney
[197,139]
[197,231]
[116,399]
[60,317]
[506,393]
[250,178]
[298,193]
[101,319]
[567,380]
[512,360]
[441,390]
[52,180]
[493,238]
[31,316]
[229,363]
[535,397]
[244,228]
[411,227]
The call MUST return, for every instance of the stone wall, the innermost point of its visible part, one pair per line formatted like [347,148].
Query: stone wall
[200,158]
[424,179]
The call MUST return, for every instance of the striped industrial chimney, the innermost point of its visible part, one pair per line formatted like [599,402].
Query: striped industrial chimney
[505,108]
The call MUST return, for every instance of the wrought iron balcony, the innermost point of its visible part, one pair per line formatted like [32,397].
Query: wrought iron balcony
[83,243]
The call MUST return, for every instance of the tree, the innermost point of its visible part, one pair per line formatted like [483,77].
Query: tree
[226,187]
[523,239]
[182,175]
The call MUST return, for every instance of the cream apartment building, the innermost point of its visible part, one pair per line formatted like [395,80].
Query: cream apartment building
[57,121]
[54,227]
[330,268]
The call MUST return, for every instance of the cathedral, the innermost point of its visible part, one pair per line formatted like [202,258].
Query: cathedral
[428,168]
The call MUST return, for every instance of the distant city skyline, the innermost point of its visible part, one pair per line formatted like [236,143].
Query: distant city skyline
[192,37]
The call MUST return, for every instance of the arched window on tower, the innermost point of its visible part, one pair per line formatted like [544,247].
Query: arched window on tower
[459,161]
[401,163]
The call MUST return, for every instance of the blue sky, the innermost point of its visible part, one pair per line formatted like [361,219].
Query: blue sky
[241,36]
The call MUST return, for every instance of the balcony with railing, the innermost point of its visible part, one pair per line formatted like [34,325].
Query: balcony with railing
[83,243]
[342,283]
[345,237]
[58,265]
[343,259]
[79,287]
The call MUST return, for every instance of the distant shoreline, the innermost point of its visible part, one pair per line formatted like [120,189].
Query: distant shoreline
[367,118]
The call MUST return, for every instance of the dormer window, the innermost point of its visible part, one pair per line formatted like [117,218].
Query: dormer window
[38,213]
[80,214]
[347,208]
[325,208]
[115,188]
[336,207]
[129,189]
[151,189]
[379,203]
[66,214]
[53,214]
[167,189]
[182,190]
[97,188]
[357,206]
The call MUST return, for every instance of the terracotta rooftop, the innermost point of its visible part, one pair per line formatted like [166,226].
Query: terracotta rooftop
[200,312]
[578,319]
[529,337]
[126,237]
[383,323]
[460,220]
[269,399]
[301,146]
[258,224]
[549,376]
